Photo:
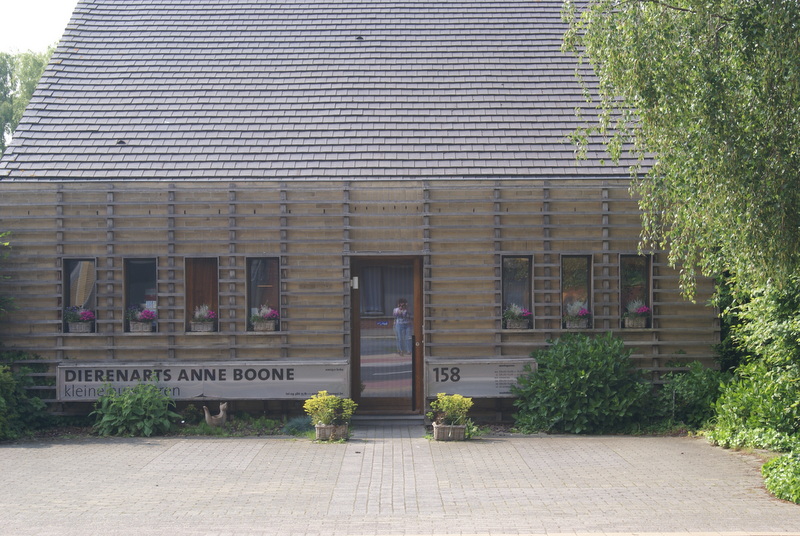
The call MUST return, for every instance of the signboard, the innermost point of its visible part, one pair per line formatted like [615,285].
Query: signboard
[267,380]
[480,378]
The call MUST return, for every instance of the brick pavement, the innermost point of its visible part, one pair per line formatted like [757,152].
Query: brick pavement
[385,481]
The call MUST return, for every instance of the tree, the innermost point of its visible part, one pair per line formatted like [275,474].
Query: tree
[19,74]
[708,91]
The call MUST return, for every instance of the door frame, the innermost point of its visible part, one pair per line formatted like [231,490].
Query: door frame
[417,346]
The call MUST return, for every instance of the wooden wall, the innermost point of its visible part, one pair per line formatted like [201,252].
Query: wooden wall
[460,228]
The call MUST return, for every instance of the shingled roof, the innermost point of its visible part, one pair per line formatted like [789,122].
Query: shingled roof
[248,89]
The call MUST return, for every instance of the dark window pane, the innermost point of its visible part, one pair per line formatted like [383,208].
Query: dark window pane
[575,282]
[517,282]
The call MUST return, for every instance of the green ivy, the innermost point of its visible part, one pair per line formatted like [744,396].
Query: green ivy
[582,385]
[19,413]
[143,410]
[782,477]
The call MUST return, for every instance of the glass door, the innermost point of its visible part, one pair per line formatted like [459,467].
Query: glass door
[386,334]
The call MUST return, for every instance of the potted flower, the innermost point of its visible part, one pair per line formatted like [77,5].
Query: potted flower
[140,320]
[266,319]
[78,319]
[330,415]
[516,317]
[203,319]
[578,315]
[449,416]
[636,314]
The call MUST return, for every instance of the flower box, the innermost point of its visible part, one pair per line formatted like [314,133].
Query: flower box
[266,325]
[330,432]
[636,322]
[79,327]
[204,327]
[449,432]
[140,327]
[577,323]
[517,324]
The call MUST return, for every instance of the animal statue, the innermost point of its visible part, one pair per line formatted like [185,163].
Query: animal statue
[217,420]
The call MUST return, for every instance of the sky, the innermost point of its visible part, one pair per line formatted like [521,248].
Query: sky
[33,24]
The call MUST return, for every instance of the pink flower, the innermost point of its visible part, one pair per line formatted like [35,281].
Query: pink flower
[643,310]
[86,316]
[584,312]
[147,315]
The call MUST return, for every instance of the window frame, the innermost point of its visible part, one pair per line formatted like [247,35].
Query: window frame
[527,292]
[128,299]
[589,259]
[252,307]
[646,294]
[66,292]
[197,293]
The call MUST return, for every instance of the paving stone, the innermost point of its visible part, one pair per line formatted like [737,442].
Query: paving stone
[386,480]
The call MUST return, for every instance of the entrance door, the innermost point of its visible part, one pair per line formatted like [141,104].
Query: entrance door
[387,371]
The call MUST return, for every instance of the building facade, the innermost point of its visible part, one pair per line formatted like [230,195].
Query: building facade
[325,161]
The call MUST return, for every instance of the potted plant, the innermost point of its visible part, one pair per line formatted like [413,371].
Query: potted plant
[266,319]
[636,314]
[140,320]
[78,319]
[578,315]
[203,319]
[449,416]
[330,415]
[516,317]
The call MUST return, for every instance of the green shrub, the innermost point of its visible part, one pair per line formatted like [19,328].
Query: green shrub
[582,385]
[192,415]
[143,410]
[450,409]
[759,408]
[19,413]
[329,409]
[782,477]
[688,397]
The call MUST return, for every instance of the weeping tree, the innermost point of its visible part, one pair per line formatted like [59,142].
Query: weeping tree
[708,91]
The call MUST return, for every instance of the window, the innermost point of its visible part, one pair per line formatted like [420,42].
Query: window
[263,279]
[517,287]
[79,283]
[383,285]
[201,285]
[576,290]
[140,286]
[634,290]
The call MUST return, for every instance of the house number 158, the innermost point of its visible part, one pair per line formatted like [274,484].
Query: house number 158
[447,374]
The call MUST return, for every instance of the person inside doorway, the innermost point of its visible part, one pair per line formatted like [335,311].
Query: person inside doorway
[402,327]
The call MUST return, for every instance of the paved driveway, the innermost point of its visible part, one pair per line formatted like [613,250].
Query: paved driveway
[387,481]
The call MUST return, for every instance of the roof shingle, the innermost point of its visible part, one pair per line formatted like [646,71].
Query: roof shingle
[167,89]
